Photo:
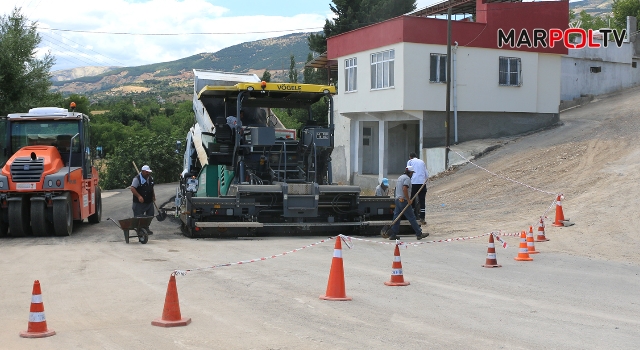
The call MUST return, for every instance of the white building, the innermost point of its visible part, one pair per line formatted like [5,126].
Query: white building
[596,71]
[392,85]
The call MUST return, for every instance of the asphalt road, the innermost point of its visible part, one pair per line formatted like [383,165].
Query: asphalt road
[101,293]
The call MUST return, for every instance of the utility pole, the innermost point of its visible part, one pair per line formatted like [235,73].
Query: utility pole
[447,123]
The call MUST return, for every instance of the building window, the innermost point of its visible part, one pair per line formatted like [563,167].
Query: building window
[350,74]
[510,71]
[438,68]
[634,64]
[382,69]
[597,69]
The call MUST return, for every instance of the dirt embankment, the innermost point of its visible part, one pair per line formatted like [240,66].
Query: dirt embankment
[592,158]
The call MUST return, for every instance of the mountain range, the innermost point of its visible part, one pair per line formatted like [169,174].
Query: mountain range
[173,80]
[593,7]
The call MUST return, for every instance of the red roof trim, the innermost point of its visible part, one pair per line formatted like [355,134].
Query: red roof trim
[421,30]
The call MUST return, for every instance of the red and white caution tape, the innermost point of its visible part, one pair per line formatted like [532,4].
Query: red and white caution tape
[449,239]
[348,240]
[184,272]
[399,242]
[502,176]
[544,215]
[496,236]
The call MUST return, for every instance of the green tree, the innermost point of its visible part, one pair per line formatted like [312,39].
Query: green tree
[287,118]
[307,73]
[125,113]
[110,129]
[24,78]
[293,72]
[266,76]
[354,14]
[82,103]
[319,109]
[182,119]
[623,8]
[157,151]
[588,21]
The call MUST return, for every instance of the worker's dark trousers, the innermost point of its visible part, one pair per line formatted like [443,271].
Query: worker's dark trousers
[142,209]
[419,202]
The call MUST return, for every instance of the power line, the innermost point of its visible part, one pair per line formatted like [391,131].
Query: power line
[179,34]
[77,55]
[80,45]
[81,58]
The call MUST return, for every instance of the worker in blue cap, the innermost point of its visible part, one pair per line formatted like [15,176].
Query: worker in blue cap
[383,188]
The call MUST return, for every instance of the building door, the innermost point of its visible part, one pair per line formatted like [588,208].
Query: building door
[368,152]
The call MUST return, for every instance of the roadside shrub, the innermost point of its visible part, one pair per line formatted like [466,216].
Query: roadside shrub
[156,151]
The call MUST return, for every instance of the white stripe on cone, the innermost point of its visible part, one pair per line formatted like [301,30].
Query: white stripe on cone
[396,258]
[36,317]
[491,255]
[396,272]
[337,253]
[36,299]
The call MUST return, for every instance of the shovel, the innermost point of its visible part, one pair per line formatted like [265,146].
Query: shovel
[384,232]
[161,213]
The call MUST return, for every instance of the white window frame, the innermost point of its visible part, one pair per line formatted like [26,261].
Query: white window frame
[440,71]
[509,68]
[382,70]
[351,74]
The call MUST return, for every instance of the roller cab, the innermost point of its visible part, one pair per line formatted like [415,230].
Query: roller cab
[48,180]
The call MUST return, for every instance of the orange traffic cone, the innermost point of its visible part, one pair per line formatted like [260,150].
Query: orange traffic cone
[523,252]
[531,247]
[37,322]
[171,316]
[541,237]
[491,254]
[560,219]
[335,286]
[396,273]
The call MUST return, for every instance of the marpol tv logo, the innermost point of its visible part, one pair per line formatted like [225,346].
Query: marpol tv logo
[550,37]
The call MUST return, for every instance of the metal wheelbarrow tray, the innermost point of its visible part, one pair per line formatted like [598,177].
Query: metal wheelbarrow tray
[138,224]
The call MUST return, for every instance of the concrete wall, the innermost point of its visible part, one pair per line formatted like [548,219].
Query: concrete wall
[481,125]
[365,99]
[434,160]
[548,86]
[477,81]
[616,72]
[341,154]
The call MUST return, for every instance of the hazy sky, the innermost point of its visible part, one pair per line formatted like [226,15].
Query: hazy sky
[69,27]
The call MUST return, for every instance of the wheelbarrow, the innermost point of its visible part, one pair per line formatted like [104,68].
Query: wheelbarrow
[138,224]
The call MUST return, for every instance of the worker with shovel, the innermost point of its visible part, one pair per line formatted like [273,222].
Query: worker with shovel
[143,195]
[403,199]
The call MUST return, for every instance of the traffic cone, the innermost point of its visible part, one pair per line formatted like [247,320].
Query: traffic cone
[541,237]
[531,247]
[523,252]
[335,286]
[491,254]
[396,273]
[561,221]
[37,322]
[171,316]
